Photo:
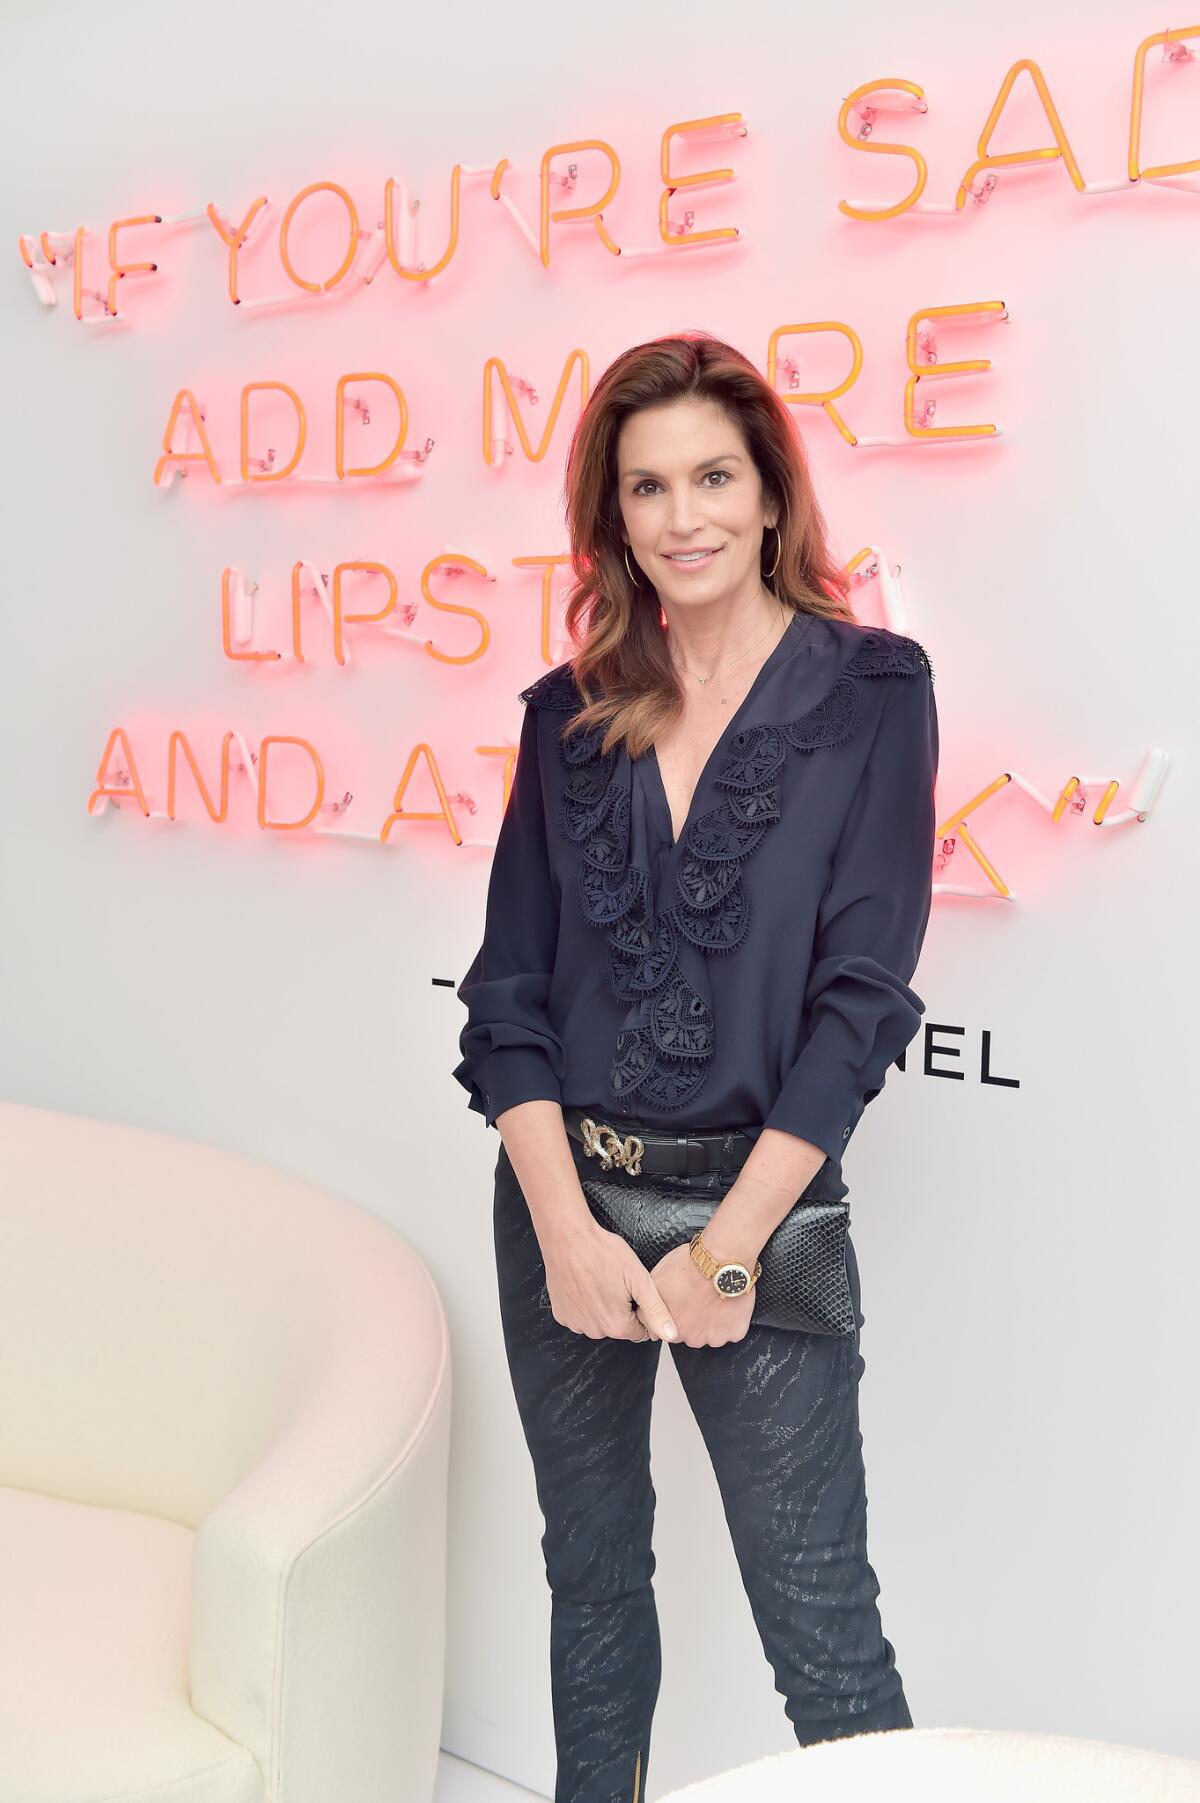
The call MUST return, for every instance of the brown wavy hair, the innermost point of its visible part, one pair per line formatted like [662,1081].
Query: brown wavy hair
[617,624]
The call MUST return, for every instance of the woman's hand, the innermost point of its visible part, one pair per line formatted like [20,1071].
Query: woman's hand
[594,1278]
[702,1315]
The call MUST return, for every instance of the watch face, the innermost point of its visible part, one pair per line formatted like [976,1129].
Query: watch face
[731,1280]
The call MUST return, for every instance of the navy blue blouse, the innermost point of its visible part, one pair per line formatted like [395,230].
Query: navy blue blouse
[756,973]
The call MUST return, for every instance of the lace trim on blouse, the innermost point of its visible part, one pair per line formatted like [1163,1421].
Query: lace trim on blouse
[665,1048]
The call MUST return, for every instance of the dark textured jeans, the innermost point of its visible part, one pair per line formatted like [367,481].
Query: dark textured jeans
[778,1411]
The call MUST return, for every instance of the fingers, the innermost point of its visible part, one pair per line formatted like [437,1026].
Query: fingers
[650,1307]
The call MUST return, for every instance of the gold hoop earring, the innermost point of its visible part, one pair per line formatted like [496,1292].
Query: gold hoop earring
[778,551]
[632,577]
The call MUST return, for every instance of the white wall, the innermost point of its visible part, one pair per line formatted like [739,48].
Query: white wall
[1028,1253]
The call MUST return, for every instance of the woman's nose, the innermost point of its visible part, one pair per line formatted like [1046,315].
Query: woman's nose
[684,516]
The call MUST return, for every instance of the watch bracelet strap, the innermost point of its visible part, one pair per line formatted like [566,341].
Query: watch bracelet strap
[714,1264]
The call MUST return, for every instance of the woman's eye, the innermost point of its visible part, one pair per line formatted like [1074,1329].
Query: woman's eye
[649,483]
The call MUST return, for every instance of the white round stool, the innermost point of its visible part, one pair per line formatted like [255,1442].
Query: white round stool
[955,1765]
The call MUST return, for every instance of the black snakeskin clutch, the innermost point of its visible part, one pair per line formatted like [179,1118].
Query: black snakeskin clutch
[803,1284]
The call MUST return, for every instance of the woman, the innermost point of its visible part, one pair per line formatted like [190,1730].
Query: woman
[709,893]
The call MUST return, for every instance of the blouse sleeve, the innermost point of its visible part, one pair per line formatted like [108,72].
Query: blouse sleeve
[870,927]
[510,1052]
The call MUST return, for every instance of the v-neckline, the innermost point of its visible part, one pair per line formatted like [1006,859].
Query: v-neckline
[767,665]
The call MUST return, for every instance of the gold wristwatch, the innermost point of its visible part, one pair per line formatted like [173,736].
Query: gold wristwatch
[728,1277]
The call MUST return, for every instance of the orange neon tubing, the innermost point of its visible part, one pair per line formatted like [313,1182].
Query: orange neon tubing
[445,813]
[377,569]
[547,565]
[127,269]
[234,244]
[485,631]
[1137,174]
[923,372]
[249,475]
[287,826]
[120,270]
[227,644]
[426,274]
[1060,148]
[825,398]
[497,364]
[955,826]
[44,246]
[852,563]
[77,274]
[204,455]
[869,147]
[592,209]
[180,740]
[702,177]
[133,790]
[297,648]
[372,469]
[351,249]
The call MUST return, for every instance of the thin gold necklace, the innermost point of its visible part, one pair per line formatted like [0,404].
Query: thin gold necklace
[726,664]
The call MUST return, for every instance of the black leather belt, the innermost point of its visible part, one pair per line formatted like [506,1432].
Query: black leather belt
[647,1150]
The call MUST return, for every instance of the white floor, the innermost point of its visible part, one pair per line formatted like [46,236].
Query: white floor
[460,1782]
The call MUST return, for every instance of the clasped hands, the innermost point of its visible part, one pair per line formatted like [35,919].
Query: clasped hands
[703,1316]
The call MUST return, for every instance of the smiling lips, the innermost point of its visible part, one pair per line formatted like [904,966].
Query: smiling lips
[690,560]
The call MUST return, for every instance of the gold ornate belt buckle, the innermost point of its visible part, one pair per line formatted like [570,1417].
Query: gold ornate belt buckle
[612,1149]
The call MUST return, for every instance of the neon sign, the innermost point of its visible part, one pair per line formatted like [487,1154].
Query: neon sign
[362,250]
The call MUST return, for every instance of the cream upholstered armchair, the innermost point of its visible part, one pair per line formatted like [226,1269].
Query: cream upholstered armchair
[224,1443]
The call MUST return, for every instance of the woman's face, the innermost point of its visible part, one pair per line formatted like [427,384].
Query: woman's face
[686,482]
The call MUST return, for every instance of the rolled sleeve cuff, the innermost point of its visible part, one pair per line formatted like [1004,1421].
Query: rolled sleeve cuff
[813,1108]
[512,1074]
